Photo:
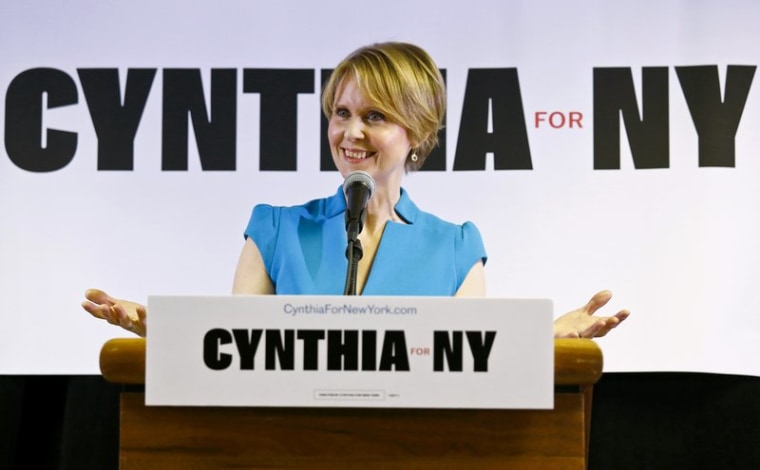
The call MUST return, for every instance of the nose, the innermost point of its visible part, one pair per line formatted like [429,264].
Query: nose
[354,129]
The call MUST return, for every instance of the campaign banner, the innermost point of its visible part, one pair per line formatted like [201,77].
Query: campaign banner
[595,145]
[336,351]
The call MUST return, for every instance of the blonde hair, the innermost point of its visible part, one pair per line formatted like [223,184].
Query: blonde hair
[404,83]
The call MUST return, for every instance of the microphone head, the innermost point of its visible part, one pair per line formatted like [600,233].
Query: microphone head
[360,177]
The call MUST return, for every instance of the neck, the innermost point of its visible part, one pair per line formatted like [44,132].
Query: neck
[381,208]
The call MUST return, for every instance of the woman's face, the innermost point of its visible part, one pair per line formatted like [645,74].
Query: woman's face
[362,139]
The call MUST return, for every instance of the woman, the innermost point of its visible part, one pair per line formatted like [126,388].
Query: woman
[385,104]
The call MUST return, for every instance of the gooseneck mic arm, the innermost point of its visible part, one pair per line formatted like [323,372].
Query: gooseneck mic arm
[358,188]
[354,253]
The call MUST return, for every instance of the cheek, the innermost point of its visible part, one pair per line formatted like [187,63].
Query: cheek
[334,133]
[398,139]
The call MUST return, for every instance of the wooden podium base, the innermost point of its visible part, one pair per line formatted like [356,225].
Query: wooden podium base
[191,438]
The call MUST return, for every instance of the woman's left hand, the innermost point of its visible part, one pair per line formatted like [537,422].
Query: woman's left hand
[581,322]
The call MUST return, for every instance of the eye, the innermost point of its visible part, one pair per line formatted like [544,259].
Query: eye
[341,112]
[375,116]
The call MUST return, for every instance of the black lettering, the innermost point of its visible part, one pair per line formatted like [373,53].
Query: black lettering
[394,353]
[342,350]
[24,103]
[448,348]
[280,347]
[325,154]
[247,344]
[716,119]
[211,356]
[369,350]
[116,124]
[311,339]
[215,135]
[508,138]
[481,348]
[279,89]
[648,135]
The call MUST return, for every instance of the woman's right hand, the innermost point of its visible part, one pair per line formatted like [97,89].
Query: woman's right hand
[129,315]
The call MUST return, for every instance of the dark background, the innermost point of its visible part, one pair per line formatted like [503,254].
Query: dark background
[640,421]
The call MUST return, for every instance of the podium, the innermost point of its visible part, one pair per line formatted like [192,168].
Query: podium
[194,438]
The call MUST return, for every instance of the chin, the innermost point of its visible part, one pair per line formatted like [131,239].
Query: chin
[346,167]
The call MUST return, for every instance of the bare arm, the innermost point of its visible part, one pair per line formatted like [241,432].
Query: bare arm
[250,278]
[251,275]
[474,284]
[579,323]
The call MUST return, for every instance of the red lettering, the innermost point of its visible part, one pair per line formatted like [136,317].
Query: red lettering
[575,118]
[540,117]
[559,119]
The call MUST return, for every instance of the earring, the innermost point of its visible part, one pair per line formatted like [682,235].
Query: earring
[414,156]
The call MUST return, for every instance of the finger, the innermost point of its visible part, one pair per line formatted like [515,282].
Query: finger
[598,301]
[122,316]
[142,315]
[611,323]
[115,316]
[129,322]
[594,330]
[92,309]
[99,297]
[622,315]
[103,312]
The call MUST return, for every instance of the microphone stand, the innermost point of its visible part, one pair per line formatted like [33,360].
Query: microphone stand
[354,253]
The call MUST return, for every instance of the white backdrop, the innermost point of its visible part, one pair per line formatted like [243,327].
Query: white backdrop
[678,246]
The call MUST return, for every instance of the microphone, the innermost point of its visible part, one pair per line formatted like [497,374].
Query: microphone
[358,189]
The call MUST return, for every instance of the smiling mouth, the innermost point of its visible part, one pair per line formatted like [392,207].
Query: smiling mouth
[357,154]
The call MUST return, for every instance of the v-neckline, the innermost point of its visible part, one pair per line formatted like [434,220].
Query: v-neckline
[406,211]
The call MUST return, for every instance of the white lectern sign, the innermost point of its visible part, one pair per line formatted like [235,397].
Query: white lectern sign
[404,352]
